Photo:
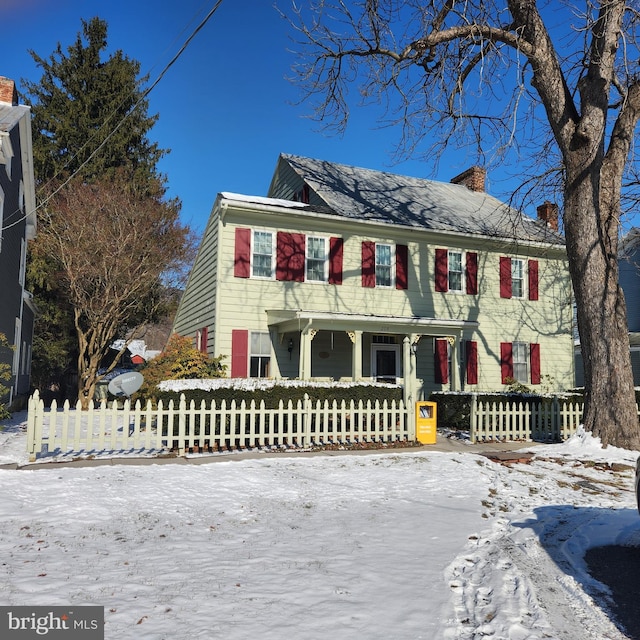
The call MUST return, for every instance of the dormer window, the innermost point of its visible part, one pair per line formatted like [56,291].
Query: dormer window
[302,195]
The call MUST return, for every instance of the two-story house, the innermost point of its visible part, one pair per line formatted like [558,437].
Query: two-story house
[344,273]
[18,216]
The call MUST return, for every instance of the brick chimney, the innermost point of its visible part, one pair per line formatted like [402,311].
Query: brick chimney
[473,179]
[8,91]
[548,213]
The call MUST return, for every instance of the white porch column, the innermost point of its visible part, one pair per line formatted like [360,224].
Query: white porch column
[408,371]
[274,367]
[356,354]
[304,369]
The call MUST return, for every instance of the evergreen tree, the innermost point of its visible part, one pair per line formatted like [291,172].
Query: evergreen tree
[88,115]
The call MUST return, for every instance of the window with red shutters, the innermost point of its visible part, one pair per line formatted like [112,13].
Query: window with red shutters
[368,264]
[442,270]
[290,256]
[336,248]
[239,353]
[534,359]
[533,279]
[471,351]
[506,361]
[472,273]
[441,361]
[402,266]
[242,254]
[505,277]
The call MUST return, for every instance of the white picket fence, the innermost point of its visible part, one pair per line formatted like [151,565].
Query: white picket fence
[549,420]
[181,427]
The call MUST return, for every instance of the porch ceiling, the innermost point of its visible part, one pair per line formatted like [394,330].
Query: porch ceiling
[288,321]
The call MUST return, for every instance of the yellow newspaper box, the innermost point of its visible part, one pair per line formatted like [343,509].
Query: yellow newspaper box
[426,420]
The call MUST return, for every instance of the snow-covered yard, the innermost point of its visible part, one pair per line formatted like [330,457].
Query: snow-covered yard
[391,546]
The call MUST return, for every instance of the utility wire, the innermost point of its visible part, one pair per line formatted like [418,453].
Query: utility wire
[124,118]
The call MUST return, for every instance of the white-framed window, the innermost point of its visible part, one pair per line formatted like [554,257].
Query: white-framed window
[520,351]
[317,264]
[259,354]
[456,273]
[517,278]
[262,254]
[384,265]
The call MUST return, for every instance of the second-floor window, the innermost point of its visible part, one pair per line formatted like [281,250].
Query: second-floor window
[262,254]
[517,279]
[455,271]
[317,264]
[383,265]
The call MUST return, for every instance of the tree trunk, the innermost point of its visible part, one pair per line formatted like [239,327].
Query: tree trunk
[591,218]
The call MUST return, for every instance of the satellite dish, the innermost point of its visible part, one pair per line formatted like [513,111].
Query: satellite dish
[126,384]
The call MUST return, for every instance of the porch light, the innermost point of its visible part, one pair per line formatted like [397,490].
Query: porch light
[414,348]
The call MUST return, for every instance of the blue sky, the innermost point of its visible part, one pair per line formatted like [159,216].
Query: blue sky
[226,109]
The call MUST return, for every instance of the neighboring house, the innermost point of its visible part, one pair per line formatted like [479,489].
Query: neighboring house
[344,273]
[629,279]
[18,215]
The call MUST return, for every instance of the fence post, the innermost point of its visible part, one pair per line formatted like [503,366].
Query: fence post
[307,419]
[182,420]
[32,430]
[558,430]
[472,417]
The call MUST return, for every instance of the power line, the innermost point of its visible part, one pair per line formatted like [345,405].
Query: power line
[124,118]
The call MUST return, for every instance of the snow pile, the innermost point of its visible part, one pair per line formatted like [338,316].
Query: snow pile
[256,384]
[402,544]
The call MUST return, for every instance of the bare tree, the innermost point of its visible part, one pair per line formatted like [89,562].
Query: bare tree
[558,80]
[117,251]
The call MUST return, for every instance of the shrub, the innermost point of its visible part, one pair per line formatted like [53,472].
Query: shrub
[180,360]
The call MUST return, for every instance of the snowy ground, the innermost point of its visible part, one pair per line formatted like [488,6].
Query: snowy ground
[392,546]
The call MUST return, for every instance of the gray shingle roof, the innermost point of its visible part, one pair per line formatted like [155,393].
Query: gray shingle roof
[378,196]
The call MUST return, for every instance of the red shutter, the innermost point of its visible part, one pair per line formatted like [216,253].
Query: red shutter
[441,359]
[506,361]
[442,270]
[472,361]
[336,246]
[290,256]
[402,266]
[242,257]
[534,357]
[472,273]
[204,339]
[368,264]
[533,279]
[505,277]
[239,353]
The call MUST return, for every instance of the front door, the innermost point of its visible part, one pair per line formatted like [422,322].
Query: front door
[385,362]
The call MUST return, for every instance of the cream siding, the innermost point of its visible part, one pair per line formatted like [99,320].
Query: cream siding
[198,305]
[242,302]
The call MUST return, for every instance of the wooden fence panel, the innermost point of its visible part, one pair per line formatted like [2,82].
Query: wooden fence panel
[126,428]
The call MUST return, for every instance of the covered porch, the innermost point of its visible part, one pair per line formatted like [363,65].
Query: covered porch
[343,346]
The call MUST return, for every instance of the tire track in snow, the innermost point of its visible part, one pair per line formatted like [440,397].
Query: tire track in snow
[519,559]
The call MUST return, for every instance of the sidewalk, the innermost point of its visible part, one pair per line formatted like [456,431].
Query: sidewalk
[13,455]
